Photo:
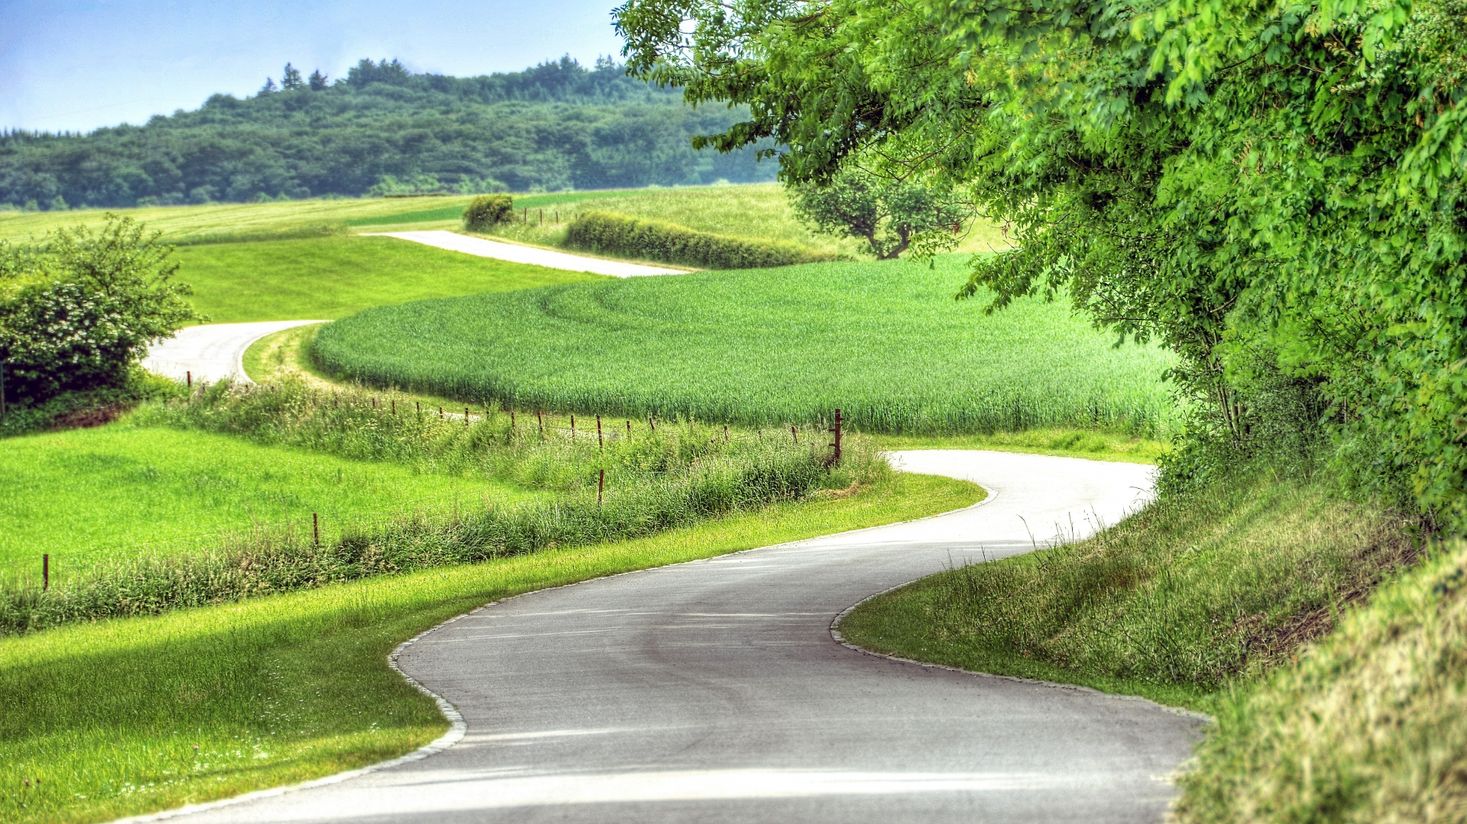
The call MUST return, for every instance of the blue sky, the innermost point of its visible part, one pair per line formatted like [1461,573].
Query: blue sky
[79,64]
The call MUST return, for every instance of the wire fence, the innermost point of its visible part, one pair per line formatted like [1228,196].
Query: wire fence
[325,523]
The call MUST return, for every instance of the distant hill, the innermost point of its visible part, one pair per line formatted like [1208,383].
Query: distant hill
[385,130]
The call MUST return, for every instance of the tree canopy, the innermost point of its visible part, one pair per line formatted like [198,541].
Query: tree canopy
[1275,191]
[554,126]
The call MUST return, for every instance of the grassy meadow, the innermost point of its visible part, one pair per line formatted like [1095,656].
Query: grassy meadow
[91,495]
[127,716]
[885,342]
[329,277]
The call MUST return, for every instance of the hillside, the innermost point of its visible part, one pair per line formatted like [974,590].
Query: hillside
[385,130]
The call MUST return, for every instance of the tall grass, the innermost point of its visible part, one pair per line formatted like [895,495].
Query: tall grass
[624,485]
[1370,725]
[1202,590]
[885,342]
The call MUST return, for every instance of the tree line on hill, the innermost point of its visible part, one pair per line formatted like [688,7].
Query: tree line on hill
[383,129]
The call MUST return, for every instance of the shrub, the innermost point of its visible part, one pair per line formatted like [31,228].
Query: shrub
[78,311]
[488,211]
[616,234]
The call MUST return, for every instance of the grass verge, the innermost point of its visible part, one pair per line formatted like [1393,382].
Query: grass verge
[1198,594]
[127,716]
[1370,725]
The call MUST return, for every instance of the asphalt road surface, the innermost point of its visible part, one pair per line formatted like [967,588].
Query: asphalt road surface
[714,691]
[212,352]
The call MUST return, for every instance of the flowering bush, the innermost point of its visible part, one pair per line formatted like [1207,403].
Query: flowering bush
[79,309]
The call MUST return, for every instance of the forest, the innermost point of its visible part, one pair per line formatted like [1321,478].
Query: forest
[383,130]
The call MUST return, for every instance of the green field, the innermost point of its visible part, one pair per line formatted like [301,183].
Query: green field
[329,277]
[129,716]
[883,341]
[88,496]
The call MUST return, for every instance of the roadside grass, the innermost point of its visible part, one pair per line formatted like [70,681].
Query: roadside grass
[1370,725]
[328,277]
[129,716]
[884,342]
[1196,595]
[1069,442]
[91,495]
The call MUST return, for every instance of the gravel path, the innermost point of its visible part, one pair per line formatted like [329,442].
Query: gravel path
[533,255]
[715,691]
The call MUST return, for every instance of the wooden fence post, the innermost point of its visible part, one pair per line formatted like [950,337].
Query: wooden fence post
[45,571]
[835,459]
[466,417]
[600,444]
[573,427]
[188,378]
[600,485]
[540,420]
[794,435]
[316,529]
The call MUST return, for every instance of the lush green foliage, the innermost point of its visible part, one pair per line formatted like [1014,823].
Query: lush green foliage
[653,480]
[222,700]
[1370,726]
[80,311]
[554,126]
[93,495]
[890,213]
[487,211]
[1275,191]
[329,277]
[883,341]
[1196,593]
[626,236]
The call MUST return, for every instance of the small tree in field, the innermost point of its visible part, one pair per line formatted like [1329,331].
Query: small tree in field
[487,211]
[78,311]
[889,214]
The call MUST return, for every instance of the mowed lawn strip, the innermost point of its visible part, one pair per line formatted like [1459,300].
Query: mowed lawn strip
[129,716]
[90,495]
[328,277]
[885,342]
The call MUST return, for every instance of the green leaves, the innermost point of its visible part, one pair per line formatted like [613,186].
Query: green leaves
[1273,190]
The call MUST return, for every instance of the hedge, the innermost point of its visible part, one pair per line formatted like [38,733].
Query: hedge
[616,234]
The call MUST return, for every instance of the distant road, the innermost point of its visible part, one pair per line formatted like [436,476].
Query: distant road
[533,255]
[213,352]
[713,691]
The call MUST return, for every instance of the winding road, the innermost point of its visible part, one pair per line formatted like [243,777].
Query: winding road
[715,691]
[719,690]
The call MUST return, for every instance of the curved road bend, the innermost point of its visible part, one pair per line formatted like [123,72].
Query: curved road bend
[712,691]
[532,255]
[212,352]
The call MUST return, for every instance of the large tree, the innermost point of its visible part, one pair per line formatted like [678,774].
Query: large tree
[1275,191]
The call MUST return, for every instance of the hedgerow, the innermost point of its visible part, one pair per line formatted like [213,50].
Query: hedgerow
[616,234]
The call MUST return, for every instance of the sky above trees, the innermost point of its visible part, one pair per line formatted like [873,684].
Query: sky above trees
[81,65]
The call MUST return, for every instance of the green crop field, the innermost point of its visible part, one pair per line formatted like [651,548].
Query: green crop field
[328,277]
[91,495]
[883,341]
